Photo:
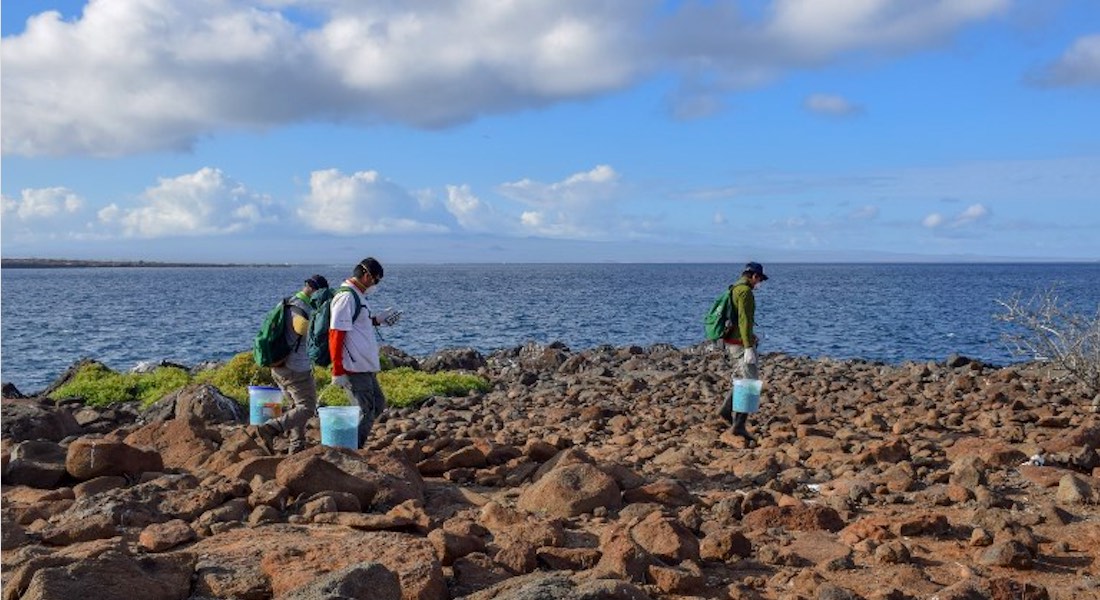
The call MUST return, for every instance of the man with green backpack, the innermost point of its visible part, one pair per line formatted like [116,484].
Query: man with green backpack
[291,367]
[734,326]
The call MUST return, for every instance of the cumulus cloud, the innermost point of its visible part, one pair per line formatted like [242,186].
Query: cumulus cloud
[831,105]
[42,203]
[1079,66]
[726,47]
[132,76]
[580,206]
[205,202]
[43,212]
[473,214]
[975,213]
[366,202]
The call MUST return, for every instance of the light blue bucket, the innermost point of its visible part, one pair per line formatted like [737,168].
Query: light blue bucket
[746,395]
[339,426]
[264,402]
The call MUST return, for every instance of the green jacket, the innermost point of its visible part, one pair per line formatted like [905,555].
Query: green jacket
[744,303]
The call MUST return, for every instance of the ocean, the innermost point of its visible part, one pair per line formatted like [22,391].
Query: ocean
[891,313]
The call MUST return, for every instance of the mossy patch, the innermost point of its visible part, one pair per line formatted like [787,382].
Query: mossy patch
[100,386]
[234,377]
[405,386]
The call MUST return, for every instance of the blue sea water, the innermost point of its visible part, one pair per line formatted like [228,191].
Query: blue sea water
[884,312]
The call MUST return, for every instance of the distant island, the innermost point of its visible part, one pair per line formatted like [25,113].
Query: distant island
[67,263]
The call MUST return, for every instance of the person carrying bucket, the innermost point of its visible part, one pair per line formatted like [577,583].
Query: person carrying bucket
[294,375]
[741,344]
[353,344]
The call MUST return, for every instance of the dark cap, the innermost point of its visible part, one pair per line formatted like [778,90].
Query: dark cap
[369,265]
[317,282]
[757,269]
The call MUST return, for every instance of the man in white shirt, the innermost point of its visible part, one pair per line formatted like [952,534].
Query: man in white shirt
[353,344]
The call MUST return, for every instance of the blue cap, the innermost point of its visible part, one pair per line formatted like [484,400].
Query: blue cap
[756,268]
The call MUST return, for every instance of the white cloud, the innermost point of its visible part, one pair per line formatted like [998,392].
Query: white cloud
[580,206]
[832,105]
[473,214]
[975,213]
[42,204]
[205,202]
[365,202]
[132,76]
[723,46]
[43,213]
[1080,65]
[933,220]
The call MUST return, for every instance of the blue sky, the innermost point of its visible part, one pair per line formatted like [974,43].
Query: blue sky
[322,131]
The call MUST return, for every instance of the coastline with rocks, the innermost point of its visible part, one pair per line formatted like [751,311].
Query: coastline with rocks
[602,473]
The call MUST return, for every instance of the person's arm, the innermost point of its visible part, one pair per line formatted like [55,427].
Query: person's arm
[336,350]
[746,309]
[299,322]
[339,323]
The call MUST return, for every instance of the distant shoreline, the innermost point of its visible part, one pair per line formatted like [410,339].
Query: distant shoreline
[65,263]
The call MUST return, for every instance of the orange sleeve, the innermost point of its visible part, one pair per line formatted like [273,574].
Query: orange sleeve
[336,350]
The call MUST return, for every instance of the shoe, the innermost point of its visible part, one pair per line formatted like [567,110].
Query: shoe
[726,411]
[739,428]
[264,435]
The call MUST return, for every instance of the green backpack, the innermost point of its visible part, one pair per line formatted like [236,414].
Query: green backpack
[721,317]
[319,323]
[270,347]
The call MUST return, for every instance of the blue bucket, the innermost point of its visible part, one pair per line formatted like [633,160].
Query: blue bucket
[339,426]
[264,402]
[746,395]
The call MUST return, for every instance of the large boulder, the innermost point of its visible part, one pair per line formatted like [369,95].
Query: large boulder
[39,464]
[571,490]
[90,457]
[114,575]
[200,400]
[365,581]
[454,359]
[308,474]
[24,419]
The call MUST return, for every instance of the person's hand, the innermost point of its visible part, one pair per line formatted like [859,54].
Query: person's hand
[341,381]
[749,357]
[388,316]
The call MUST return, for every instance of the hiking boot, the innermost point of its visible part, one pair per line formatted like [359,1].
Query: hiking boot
[739,429]
[264,435]
[726,410]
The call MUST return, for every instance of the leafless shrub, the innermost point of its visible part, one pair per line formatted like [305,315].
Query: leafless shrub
[1044,328]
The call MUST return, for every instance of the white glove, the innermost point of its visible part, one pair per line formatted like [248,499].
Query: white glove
[749,358]
[341,381]
[388,316]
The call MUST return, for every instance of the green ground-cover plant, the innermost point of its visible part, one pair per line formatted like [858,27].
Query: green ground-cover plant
[100,386]
[405,386]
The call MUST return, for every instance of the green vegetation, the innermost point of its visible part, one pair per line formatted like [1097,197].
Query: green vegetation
[100,386]
[404,386]
[234,377]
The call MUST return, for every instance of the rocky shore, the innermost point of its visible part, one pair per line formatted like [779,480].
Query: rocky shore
[601,474]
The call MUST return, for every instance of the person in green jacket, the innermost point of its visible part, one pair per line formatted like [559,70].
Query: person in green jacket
[741,342]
